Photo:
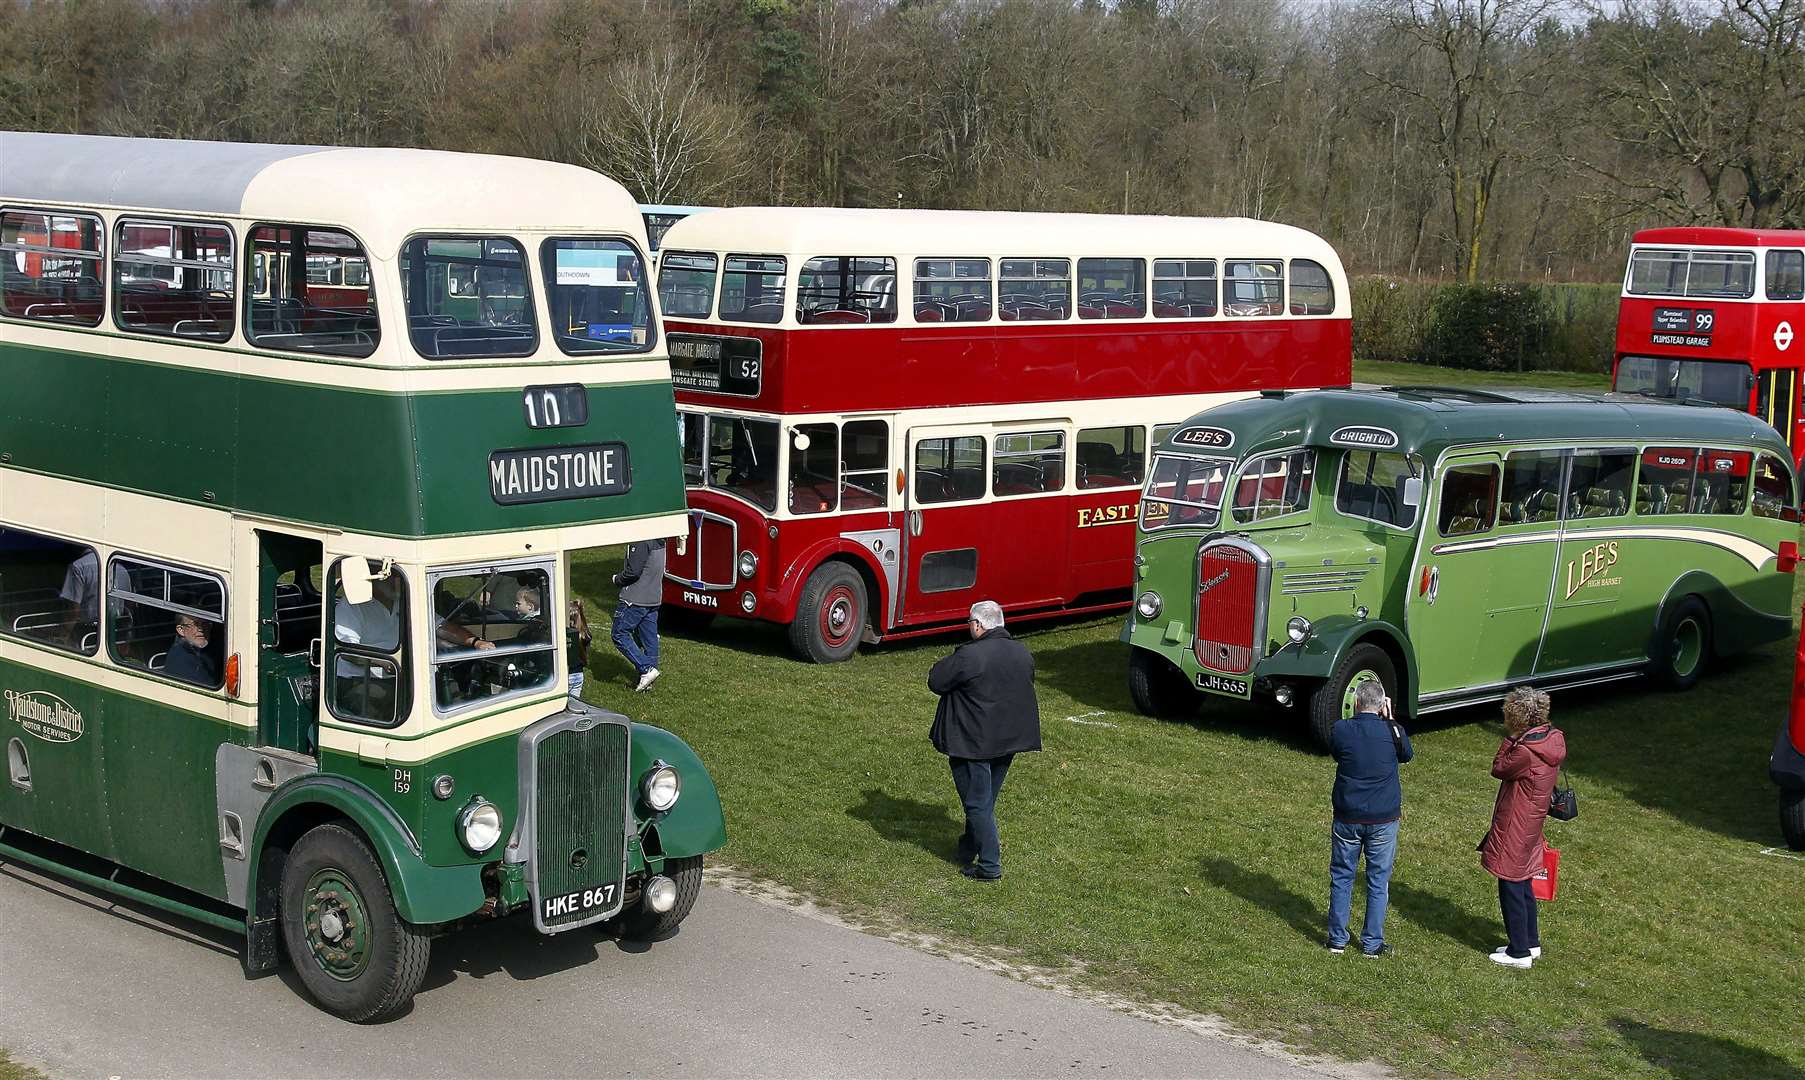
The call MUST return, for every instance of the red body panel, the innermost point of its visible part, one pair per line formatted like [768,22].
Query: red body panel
[1228,597]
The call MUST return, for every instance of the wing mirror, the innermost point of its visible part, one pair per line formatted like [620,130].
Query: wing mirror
[357,578]
[1413,491]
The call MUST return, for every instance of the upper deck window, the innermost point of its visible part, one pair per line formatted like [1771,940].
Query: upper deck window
[173,277]
[752,289]
[846,289]
[1253,287]
[310,291]
[1032,290]
[50,267]
[595,291]
[952,290]
[1275,485]
[686,283]
[1184,288]
[1726,275]
[467,297]
[1312,291]
[1786,275]
[1184,491]
[1112,288]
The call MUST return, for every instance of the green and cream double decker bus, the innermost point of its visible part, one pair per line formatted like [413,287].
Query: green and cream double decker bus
[1453,544]
[284,564]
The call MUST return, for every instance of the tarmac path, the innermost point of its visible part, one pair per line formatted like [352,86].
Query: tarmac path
[90,987]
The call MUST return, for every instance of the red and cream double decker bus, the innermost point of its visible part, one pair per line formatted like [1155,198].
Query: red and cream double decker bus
[888,415]
[1712,314]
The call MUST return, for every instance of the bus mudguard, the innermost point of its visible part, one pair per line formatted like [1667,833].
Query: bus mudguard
[695,826]
[790,589]
[424,894]
[1750,626]
[1330,639]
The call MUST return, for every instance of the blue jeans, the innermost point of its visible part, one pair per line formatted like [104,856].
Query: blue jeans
[1347,842]
[636,635]
[979,781]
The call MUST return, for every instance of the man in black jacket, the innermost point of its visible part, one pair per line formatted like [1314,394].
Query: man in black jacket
[987,715]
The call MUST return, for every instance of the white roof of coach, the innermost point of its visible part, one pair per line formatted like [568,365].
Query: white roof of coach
[382,195]
[809,231]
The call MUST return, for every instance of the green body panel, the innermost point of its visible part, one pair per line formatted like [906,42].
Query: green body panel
[412,465]
[1515,602]
[695,826]
[137,787]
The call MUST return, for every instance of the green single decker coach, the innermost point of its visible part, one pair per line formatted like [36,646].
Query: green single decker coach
[1454,543]
[295,444]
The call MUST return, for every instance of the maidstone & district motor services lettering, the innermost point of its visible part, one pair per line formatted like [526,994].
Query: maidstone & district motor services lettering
[45,715]
[545,474]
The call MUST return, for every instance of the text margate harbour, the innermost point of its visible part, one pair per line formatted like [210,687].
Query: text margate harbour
[44,714]
[561,472]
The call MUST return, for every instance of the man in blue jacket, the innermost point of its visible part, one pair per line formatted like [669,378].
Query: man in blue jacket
[1368,800]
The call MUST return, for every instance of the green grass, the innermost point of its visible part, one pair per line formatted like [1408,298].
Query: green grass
[12,1070]
[1379,371]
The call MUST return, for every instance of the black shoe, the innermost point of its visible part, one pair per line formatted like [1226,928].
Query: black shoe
[1383,950]
[976,874]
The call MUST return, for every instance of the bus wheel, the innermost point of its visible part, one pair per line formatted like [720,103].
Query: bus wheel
[1792,817]
[354,953]
[1159,688]
[831,614]
[1685,644]
[1334,699]
[644,924]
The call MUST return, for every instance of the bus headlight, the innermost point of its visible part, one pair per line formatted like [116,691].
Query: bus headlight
[479,825]
[1149,606]
[748,563]
[661,894]
[748,602]
[660,787]
[1297,629]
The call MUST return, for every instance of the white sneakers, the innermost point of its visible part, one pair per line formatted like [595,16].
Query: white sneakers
[1503,956]
[1535,951]
[646,680]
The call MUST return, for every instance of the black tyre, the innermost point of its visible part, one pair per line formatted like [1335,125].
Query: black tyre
[1684,645]
[354,953]
[1159,688]
[1334,699]
[830,616]
[1792,817]
[642,924]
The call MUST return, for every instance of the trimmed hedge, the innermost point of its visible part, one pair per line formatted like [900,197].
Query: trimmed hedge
[1493,327]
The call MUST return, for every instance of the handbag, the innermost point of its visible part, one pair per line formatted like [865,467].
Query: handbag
[1563,803]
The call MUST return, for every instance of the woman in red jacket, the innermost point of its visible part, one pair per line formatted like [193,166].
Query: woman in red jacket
[1527,766]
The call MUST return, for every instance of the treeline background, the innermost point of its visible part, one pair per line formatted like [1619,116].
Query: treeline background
[1437,143]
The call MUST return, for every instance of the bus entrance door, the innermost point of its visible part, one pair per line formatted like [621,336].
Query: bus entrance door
[288,622]
[947,545]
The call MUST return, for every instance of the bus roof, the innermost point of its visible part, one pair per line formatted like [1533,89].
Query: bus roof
[379,193]
[1429,419]
[1701,236]
[806,231]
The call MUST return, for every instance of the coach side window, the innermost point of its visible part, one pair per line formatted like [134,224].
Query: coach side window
[949,470]
[1112,457]
[814,468]
[844,289]
[49,591]
[1312,293]
[1112,288]
[168,620]
[1599,484]
[1253,287]
[864,465]
[1028,463]
[1469,500]
[952,290]
[1722,485]
[1776,493]
[50,267]
[311,292]
[1664,485]
[1532,488]
[1372,487]
[1786,275]
[173,278]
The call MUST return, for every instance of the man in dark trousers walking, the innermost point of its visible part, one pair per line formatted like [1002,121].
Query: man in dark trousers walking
[635,634]
[987,715]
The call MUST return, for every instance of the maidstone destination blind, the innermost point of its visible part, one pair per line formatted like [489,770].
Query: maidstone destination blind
[546,474]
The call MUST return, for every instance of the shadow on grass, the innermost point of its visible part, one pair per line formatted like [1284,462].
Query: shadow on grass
[1091,673]
[1443,916]
[929,826]
[1265,891]
[1688,1055]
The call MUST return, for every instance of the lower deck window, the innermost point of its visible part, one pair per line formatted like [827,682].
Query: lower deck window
[493,635]
[167,620]
[1469,500]
[49,591]
[369,656]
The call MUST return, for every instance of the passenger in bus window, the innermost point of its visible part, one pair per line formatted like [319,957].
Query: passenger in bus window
[81,588]
[189,658]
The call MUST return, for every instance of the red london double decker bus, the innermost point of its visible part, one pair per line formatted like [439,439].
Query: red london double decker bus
[888,415]
[1713,314]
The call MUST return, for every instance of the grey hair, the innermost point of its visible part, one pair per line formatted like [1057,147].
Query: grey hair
[988,614]
[1369,695]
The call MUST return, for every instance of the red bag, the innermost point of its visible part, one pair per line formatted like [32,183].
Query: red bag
[1548,880]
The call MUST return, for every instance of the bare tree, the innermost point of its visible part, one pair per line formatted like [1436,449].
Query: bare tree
[657,129]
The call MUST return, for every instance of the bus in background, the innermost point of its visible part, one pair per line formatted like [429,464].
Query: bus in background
[660,218]
[1711,314]
[890,414]
[285,563]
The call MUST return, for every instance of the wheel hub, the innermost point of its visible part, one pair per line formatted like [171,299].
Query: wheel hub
[1347,695]
[337,931]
